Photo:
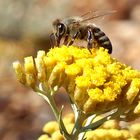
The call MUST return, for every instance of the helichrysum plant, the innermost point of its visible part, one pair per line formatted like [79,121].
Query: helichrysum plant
[96,84]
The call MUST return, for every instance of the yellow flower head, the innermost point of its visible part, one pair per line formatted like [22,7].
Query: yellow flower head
[95,81]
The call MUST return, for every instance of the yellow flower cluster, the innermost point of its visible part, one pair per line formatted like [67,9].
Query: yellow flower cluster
[110,130]
[95,81]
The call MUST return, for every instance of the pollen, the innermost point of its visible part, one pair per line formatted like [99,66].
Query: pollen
[83,81]
[72,69]
[96,95]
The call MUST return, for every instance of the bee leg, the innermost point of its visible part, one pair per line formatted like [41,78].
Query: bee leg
[52,39]
[66,39]
[57,40]
[90,39]
[73,38]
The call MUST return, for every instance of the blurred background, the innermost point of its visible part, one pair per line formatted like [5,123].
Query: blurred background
[25,26]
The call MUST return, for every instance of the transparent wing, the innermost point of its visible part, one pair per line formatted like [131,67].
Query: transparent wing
[90,15]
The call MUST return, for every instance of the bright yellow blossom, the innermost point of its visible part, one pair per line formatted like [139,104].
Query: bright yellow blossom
[93,80]
[72,70]
[83,81]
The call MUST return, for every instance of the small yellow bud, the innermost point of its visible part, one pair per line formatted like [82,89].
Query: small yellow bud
[40,69]
[83,82]
[57,136]
[130,73]
[61,55]
[135,130]
[111,124]
[99,75]
[125,134]
[19,72]
[108,134]
[132,139]
[69,118]
[114,68]
[40,66]
[89,105]
[70,86]
[40,54]
[29,65]
[57,75]
[96,94]
[30,71]
[49,63]
[44,137]
[102,57]
[51,127]
[80,94]
[137,109]
[133,90]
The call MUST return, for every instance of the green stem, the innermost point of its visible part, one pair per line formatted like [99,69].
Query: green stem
[79,119]
[97,124]
[78,125]
[50,101]
[49,98]
[89,121]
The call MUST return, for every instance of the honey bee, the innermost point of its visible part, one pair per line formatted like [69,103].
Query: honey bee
[79,27]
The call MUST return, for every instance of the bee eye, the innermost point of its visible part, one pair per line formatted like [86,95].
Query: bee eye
[61,29]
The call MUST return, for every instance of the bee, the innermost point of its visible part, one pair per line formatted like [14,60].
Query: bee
[79,27]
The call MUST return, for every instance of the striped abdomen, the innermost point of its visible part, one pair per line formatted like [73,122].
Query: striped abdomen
[102,39]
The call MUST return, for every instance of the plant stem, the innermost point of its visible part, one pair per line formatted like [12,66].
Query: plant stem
[79,119]
[78,125]
[98,123]
[89,121]
[49,98]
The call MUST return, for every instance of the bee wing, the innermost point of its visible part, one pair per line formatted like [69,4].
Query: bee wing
[95,14]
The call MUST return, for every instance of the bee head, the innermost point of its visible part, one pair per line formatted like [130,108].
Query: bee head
[59,28]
